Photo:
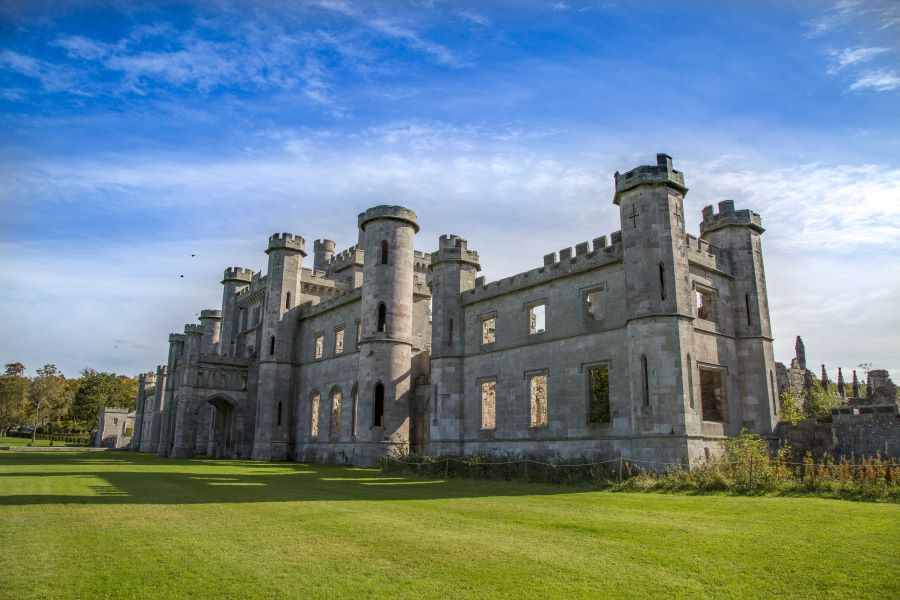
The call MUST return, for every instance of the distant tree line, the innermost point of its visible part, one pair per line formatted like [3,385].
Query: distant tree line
[48,402]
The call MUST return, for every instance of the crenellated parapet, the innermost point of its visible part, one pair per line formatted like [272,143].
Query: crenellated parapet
[707,255]
[210,313]
[176,338]
[286,241]
[396,213]
[566,266]
[237,274]
[346,259]
[728,217]
[661,172]
[193,329]
[421,261]
[452,248]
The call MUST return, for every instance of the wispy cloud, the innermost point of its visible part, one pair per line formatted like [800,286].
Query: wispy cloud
[853,56]
[880,81]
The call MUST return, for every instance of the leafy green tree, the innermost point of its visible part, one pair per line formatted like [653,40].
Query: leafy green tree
[13,397]
[790,407]
[98,390]
[45,392]
[819,403]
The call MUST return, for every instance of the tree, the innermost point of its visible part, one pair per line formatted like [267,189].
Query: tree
[15,369]
[790,407]
[819,403]
[98,390]
[13,397]
[46,391]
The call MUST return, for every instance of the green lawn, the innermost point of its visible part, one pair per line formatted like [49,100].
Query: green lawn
[120,525]
[17,441]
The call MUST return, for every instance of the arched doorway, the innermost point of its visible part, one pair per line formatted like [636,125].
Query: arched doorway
[226,427]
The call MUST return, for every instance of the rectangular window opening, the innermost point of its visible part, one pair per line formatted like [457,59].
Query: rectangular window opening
[706,304]
[339,341]
[314,415]
[599,385]
[594,305]
[320,345]
[489,330]
[712,394]
[537,393]
[536,319]
[489,404]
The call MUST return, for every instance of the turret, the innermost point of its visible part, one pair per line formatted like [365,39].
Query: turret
[323,250]
[211,321]
[234,280]
[454,269]
[657,281]
[272,437]
[387,234]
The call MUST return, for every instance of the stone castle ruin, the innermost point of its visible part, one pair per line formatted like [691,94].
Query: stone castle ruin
[649,342]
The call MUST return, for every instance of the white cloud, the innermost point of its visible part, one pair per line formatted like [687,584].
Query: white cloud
[561,7]
[852,56]
[880,81]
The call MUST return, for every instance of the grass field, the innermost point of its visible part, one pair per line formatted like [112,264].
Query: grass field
[120,525]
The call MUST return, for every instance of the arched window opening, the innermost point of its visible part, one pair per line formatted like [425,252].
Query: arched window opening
[279,413]
[287,301]
[747,305]
[384,252]
[450,333]
[662,282]
[336,400]
[355,395]
[378,409]
[314,399]
[382,317]
[272,346]
[690,381]
[645,381]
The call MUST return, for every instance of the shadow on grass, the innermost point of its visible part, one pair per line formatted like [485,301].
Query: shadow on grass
[144,479]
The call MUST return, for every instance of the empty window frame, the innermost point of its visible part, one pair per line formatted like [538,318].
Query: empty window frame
[598,385]
[287,301]
[489,404]
[489,330]
[320,346]
[279,413]
[712,394]
[385,249]
[593,304]
[358,332]
[537,396]
[747,306]
[336,399]
[662,282]
[339,340]
[272,346]
[705,299]
[314,400]
[378,405]
[645,381]
[537,318]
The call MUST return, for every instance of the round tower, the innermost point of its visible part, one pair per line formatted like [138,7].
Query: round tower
[211,321]
[387,234]
[323,250]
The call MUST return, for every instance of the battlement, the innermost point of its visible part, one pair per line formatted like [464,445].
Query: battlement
[313,308]
[237,274]
[351,257]
[286,241]
[161,370]
[703,253]
[727,217]
[210,313]
[583,260]
[323,246]
[192,328]
[397,213]
[660,173]
[452,248]
[176,337]
[421,261]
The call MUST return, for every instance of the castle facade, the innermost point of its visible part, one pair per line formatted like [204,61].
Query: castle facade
[651,343]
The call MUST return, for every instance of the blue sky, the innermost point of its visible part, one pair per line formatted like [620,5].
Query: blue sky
[137,134]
